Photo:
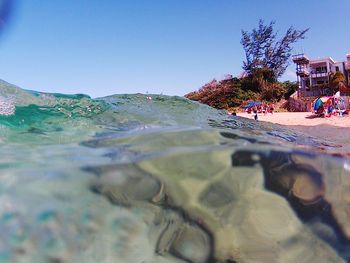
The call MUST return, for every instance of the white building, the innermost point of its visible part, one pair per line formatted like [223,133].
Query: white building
[314,75]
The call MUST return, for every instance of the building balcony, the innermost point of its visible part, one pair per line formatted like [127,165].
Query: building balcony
[318,74]
[303,72]
[300,59]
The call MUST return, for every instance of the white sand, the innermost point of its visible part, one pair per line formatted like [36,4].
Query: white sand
[335,128]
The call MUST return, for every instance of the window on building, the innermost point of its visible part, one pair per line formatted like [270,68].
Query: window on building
[321,69]
[336,68]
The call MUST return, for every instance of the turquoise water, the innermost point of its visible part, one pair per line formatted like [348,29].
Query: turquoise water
[128,179]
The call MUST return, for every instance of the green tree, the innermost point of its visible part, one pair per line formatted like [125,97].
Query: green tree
[336,79]
[264,50]
[272,92]
[290,88]
[258,79]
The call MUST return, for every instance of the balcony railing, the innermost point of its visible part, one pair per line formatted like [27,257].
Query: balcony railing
[300,58]
[315,74]
[303,72]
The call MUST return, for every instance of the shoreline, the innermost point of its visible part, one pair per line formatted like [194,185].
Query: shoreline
[334,129]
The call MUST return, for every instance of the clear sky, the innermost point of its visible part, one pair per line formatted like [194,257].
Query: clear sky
[103,47]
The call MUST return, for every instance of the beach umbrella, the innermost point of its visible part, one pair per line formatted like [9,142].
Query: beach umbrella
[252,104]
[317,104]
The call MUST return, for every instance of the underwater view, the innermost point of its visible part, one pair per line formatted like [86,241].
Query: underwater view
[153,178]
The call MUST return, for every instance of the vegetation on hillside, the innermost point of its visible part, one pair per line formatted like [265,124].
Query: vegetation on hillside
[233,92]
[223,94]
[266,60]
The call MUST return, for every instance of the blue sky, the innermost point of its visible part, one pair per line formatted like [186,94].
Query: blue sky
[103,47]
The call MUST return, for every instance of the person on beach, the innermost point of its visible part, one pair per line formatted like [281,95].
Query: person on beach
[255,113]
[329,110]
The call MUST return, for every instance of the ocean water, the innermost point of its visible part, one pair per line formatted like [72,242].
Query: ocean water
[126,178]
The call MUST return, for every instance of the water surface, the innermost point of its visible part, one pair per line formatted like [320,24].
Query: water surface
[128,179]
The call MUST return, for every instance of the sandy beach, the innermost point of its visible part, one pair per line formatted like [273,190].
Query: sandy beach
[334,129]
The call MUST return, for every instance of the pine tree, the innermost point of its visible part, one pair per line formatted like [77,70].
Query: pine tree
[264,50]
